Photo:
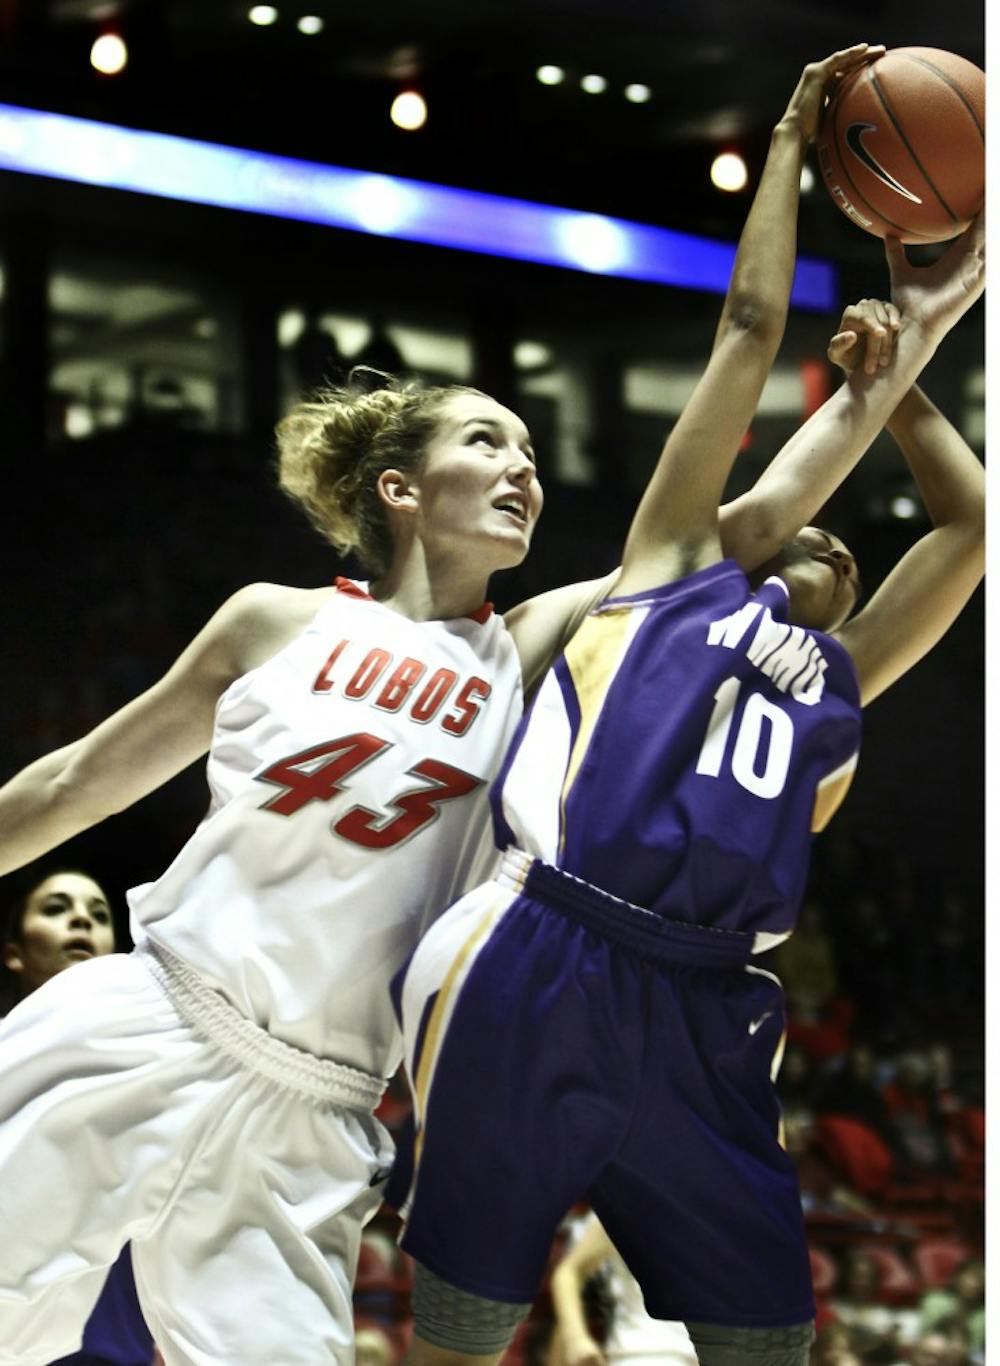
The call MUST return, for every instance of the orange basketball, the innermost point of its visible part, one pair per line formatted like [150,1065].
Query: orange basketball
[901,146]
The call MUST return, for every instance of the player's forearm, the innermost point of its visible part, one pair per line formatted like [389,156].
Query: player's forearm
[951,480]
[39,810]
[813,464]
[761,281]
[676,524]
[567,1302]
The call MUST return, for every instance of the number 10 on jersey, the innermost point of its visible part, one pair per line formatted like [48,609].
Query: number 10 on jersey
[762,773]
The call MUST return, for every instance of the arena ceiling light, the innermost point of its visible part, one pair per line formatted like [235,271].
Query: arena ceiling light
[409,110]
[262,15]
[532,355]
[637,93]
[550,75]
[729,172]
[38,143]
[310,24]
[109,54]
[904,506]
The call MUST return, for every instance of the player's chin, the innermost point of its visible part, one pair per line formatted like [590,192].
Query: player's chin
[830,616]
[844,602]
[814,612]
[511,547]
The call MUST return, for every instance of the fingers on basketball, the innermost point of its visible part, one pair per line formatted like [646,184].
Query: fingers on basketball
[901,149]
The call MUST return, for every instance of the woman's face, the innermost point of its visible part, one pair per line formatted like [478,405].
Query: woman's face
[477,487]
[66,920]
[822,579]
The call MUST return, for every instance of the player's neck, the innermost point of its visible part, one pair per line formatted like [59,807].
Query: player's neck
[430,590]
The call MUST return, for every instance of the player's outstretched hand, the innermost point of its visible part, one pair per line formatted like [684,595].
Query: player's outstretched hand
[818,81]
[867,335]
[937,296]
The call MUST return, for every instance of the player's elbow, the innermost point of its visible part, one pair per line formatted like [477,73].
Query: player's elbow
[977,504]
[755,319]
[750,531]
[977,525]
[962,561]
[975,533]
[967,519]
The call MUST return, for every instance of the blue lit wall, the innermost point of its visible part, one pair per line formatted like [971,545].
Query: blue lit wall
[39,143]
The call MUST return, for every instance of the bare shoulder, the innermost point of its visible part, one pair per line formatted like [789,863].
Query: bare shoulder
[541,626]
[262,618]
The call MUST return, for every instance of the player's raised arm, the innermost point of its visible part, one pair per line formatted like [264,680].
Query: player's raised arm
[137,749]
[893,342]
[675,529]
[812,464]
[931,584]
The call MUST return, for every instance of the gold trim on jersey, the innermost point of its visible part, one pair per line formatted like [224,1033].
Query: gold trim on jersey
[778,1055]
[830,792]
[593,658]
[776,1061]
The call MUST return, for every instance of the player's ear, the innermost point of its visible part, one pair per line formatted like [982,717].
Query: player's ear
[13,958]
[396,491]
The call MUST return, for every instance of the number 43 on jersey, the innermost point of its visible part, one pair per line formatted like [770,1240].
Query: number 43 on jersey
[319,773]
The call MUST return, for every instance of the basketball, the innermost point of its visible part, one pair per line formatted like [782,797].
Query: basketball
[901,146]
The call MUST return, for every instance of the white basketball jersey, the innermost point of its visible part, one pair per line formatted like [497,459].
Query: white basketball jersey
[349,777]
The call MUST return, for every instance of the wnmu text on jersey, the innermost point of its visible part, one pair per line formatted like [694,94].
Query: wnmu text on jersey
[788,655]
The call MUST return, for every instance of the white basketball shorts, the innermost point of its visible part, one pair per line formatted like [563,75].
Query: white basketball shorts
[243,1172]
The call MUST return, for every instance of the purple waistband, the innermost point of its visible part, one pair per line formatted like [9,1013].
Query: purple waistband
[643,931]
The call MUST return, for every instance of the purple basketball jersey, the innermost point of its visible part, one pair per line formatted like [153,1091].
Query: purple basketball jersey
[682,749]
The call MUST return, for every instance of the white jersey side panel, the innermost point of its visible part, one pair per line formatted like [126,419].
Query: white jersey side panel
[349,778]
[554,741]
[530,795]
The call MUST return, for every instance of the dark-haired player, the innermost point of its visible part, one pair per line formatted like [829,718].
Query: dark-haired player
[591,1022]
